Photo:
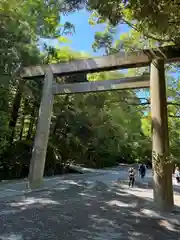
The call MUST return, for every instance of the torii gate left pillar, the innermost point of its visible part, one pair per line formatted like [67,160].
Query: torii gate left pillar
[37,164]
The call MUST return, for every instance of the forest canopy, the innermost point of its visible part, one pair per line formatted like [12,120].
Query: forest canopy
[97,129]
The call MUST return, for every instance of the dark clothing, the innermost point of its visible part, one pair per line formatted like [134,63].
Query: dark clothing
[142,170]
[131,177]
[142,174]
[131,181]
[131,174]
[178,179]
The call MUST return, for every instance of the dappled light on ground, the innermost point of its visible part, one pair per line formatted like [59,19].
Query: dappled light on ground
[120,204]
[11,237]
[30,201]
[83,208]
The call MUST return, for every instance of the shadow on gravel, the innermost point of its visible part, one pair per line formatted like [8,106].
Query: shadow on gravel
[148,184]
[84,211]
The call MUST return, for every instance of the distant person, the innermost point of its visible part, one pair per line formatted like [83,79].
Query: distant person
[177,174]
[131,173]
[142,170]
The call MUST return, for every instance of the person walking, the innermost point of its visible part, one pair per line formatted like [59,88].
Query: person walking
[142,170]
[177,174]
[131,173]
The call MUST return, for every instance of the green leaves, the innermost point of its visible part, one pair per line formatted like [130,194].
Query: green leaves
[63,39]
[95,19]
[104,40]
[157,20]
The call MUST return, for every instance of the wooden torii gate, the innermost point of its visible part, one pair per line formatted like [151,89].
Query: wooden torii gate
[156,59]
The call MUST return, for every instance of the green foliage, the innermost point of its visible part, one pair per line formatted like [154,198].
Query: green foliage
[14,162]
[131,41]
[104,40]
[154,19]
[94,130]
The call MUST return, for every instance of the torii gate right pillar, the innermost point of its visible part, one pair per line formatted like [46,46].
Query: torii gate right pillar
[162,167]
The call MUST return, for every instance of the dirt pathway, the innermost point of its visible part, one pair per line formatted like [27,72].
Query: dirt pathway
[97,207]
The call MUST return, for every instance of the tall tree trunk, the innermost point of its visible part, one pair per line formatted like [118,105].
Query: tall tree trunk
[4,108]
[31,123]
[15,110]
[22,127]
[55,125]
[23,118]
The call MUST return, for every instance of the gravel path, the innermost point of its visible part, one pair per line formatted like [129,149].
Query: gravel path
[97,206]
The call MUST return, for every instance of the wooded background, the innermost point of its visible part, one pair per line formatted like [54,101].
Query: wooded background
[97,129]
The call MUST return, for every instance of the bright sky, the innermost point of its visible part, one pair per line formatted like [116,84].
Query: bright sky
[84,36]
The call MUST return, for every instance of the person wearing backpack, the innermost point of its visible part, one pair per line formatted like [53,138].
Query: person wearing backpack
[142,170]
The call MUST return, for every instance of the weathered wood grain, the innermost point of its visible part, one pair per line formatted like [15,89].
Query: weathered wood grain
[120,60]
[37,164]
[162,166]
[98,86]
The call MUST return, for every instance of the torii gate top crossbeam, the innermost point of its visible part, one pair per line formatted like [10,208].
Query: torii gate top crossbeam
[120,60]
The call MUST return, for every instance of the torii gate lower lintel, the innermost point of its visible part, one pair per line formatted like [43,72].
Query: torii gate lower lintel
[52,88]
[162,171]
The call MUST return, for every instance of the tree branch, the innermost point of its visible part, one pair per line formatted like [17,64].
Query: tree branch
[147,103]
[172,116]
[145,34]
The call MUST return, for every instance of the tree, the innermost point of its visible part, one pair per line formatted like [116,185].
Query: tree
[156,20]
[95,130]
[22,24]
[133,41]
[86,129]
[84,106]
